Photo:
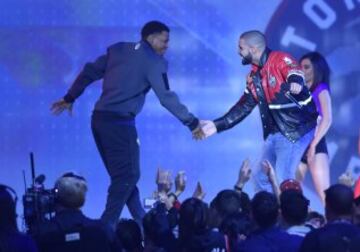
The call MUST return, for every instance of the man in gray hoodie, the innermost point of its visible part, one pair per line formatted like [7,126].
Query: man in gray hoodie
[129,71]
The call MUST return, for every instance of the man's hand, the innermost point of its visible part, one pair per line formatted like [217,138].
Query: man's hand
[199,192]
[244,173]
[295,88]
[180,183]
[208,128]
[59,106]
[198,133]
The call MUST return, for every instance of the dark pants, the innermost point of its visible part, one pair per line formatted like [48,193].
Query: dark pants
[116,140]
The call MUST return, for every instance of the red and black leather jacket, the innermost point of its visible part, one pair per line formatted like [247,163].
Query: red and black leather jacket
[268,86]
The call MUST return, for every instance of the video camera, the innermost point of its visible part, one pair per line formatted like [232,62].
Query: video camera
[38,202]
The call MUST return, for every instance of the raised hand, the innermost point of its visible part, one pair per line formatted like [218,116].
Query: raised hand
[244,173]
[59,106]
[163,180]
[199,193]
[269,171]
[180,183]
[347,179]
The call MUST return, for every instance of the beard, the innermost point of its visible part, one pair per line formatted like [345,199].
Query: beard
[246,60]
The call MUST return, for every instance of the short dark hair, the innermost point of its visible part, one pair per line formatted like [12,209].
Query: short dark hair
[321,68]
[149,225]
[233,226]
[227,202]
[265,209]
[339,199]
[194,216]
[294,207]
[245,203]
[254,38]
[155,222]
[129,234]
[153,27]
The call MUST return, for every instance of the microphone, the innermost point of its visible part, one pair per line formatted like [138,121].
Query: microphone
[292,98]
[286,89]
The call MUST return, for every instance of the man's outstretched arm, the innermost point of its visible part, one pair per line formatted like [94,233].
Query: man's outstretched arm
[157,77]
[237,113]
[91,72]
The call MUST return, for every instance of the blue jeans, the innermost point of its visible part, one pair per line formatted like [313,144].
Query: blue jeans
[283,155]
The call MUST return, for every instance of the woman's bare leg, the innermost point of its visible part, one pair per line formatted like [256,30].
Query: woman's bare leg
[319,169]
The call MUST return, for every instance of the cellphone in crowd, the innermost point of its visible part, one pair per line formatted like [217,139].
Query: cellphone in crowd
[149,203]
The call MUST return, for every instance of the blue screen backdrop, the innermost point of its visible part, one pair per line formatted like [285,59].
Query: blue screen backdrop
[44,44]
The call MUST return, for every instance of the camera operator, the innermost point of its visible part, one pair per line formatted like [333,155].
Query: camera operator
[70,229]
[10,237]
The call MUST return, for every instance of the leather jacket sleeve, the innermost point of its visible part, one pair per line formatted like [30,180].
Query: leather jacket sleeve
[237,113]
[291,70]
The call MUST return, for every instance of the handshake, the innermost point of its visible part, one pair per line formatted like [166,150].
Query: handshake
[205,129]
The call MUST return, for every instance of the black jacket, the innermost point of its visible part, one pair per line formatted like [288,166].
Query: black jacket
[208,241]
[70,230]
